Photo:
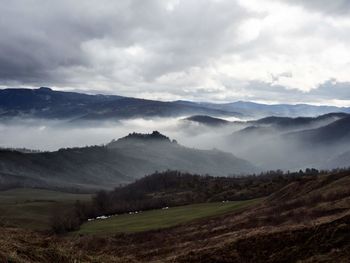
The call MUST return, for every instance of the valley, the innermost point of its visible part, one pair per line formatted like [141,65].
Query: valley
[206,186]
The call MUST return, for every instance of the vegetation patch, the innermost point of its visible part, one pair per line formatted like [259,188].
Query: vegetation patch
[161,218]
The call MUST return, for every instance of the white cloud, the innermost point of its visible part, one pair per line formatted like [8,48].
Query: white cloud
[189,49]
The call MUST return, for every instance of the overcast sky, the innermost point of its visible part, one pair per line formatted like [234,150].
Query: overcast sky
[204,50]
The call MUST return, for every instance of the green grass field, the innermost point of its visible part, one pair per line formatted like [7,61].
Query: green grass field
[156,219]
[32,208]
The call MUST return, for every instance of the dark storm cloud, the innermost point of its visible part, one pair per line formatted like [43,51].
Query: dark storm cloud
[39,38]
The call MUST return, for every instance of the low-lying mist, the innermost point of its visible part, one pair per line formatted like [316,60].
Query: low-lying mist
[48,135]
[266,147]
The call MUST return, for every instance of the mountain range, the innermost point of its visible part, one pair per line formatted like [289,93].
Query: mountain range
[270,142]
[258,110]
[51,104]
[292,143]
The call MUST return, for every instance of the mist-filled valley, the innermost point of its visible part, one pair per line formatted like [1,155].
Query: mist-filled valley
[177,175]
[269,143]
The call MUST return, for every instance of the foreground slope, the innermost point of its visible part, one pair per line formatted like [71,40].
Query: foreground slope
[306,221]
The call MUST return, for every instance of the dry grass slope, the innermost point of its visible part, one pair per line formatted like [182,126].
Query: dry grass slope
[307,221]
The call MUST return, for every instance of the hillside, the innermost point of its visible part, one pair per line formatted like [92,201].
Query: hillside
[336,132]
[305,221]
[120,161]
[287,123]
[292,143]
[274,126]
[174,188]
[188,188]
[171,155]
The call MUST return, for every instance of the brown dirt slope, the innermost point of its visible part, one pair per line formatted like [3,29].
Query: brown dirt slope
[306,221]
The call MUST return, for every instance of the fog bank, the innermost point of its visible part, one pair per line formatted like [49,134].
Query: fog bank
[51,135]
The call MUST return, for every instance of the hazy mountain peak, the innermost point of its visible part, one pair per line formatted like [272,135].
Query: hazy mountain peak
[45,89]
[207,120]
[155,136]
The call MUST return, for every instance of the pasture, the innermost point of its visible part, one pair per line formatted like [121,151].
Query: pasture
[32,208]
[161,218]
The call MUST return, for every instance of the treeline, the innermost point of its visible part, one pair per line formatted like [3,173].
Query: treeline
[155,135]
[21,150]
[174,188]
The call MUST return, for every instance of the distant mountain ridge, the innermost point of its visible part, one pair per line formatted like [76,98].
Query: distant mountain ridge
[51,104]
[259,110]
[273,121]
